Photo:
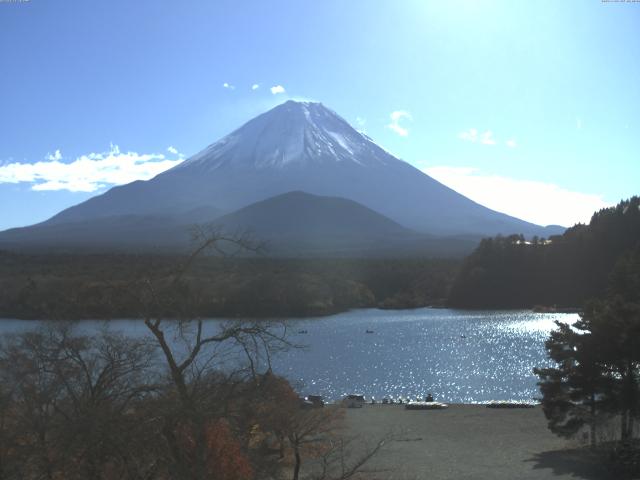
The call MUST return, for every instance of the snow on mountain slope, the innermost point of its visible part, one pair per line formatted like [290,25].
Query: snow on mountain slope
[302,133]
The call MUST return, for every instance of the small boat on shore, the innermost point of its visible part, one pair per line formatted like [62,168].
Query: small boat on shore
[510,404]
[426,406]
[354,400]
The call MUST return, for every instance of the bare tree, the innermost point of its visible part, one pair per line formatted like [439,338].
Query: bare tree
[348,457]
[318,435]
[73,402]
[309,428]
[193,350]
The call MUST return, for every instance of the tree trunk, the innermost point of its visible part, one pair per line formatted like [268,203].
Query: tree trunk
[296,468]
[624,425]
[592,425]
[281,446]
[176,374]
[177,466]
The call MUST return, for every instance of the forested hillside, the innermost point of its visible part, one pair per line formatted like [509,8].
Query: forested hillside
[108,286]
[562,271]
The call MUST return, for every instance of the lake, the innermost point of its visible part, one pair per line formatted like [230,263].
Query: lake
[457,355]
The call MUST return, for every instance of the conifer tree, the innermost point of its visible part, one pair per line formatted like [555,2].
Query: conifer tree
[573,391]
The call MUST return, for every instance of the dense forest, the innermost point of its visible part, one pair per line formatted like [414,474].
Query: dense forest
[562,271]
[594,384]
[108,286]
[503,272]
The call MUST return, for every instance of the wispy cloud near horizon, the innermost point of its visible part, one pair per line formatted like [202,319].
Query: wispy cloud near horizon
[90,172]
[537,202]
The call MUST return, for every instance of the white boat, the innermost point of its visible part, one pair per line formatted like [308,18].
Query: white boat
[425,406]
[511,404]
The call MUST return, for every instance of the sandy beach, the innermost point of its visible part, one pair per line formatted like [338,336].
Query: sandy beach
[466,442]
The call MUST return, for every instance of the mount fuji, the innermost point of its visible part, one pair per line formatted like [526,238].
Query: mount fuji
[294,147]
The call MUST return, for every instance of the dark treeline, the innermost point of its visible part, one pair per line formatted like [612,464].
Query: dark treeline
[100,286]
[595,383]
[563,271]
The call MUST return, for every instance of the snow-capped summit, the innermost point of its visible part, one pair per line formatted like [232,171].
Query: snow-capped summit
[291,134]
[300,146]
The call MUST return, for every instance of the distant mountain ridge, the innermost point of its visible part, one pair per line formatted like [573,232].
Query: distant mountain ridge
[298,224]
[296,146]
[293,224]
[299,214]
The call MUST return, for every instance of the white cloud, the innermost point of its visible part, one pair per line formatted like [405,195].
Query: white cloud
[511,143]
[578,123]
[472,135]
[228,86]
[255,86]
[89,172]
[361,123]
[172,149]
[277,89]
[537,202]
[395,122]
[487,138]
[55,156]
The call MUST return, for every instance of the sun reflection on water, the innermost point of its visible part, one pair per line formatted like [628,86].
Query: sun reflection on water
[459,356]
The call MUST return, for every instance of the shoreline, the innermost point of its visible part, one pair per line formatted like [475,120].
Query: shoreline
[301,316]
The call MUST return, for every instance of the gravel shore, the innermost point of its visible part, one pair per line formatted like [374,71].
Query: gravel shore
[466,442]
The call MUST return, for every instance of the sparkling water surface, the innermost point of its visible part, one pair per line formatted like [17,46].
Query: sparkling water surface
[457,355]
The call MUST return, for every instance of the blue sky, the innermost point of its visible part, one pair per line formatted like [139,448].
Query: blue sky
[531,108]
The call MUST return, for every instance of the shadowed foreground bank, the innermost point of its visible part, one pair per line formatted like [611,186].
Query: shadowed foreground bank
[468,442]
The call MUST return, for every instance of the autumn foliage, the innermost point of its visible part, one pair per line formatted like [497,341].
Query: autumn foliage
[225,457]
